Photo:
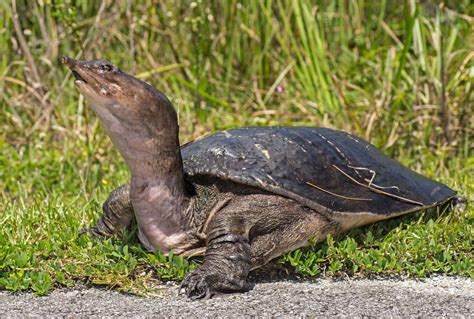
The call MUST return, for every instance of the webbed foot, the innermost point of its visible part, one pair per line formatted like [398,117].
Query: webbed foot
[204,284]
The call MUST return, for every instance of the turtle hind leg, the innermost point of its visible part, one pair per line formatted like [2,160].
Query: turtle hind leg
[246,234]
[299,227]
[117,214]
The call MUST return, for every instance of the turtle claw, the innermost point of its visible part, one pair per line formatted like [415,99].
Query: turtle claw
[85,231]
[93,231]
[196,286]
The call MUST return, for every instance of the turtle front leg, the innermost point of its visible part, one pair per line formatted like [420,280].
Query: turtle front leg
[226,265]
[246,234]
[117,214]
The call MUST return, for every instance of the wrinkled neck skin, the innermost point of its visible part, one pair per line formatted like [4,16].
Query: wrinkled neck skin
[158,191]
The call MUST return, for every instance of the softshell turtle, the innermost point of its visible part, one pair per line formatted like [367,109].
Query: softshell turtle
[240,197]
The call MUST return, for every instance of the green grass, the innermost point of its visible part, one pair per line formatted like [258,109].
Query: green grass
[400,76]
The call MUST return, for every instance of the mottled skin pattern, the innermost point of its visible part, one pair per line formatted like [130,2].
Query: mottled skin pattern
[239,214]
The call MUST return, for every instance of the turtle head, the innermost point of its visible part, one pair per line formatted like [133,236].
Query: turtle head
[113,93]
[136,116]
[99,81]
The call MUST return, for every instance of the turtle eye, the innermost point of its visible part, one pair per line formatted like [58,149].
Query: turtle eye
[106,67]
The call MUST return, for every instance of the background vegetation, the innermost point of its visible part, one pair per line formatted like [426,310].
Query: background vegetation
[399,74]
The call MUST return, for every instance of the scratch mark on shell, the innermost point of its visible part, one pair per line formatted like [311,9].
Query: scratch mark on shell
[259,180]
[338,150]
[271,178]
[265,152]
[352,138]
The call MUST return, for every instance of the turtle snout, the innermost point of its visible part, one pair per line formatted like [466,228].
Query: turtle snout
[67,61]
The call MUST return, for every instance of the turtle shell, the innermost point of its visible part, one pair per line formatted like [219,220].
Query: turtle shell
[330,171]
